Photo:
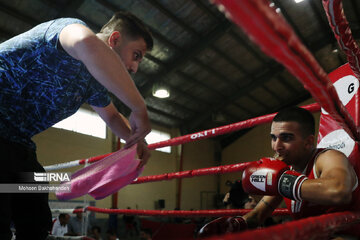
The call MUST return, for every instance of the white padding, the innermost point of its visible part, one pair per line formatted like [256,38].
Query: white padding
[338,140]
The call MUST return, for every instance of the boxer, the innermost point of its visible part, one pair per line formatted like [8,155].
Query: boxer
[312,181]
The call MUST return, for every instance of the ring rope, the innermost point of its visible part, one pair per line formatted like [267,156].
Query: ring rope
[276,38]
[51,237]
[252,122]
[193,173]
[172,213]
[190,137]
[75,163]
[318,227]
[340,27]
[66,210]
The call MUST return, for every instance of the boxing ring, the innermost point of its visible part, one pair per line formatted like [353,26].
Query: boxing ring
[274,36]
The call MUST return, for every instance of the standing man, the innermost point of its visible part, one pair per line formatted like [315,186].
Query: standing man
[76,223]
[46,74]
[60,226]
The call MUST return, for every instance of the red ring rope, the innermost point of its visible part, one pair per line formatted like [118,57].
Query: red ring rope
[309,228]
[276,38]
[340,27]
[192,173]
[224,129]
[181,213]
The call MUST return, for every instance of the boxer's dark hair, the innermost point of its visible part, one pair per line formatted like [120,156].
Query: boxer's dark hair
[129,25]
[296,114]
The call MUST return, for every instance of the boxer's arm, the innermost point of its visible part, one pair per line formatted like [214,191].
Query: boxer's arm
[262,211]
[336,180]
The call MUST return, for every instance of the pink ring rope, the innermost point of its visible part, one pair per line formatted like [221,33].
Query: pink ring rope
[340,27]
[276,38]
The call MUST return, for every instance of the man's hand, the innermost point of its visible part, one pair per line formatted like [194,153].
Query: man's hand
[223,225]
[140,127]
[262,177]
[272,177]
[143,153]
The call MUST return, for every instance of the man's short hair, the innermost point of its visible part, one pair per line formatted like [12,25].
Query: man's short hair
[296,114]
[129,25]
[237,196]
[63,215]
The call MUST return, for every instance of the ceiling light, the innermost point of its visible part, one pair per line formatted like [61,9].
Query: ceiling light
[160,91]
[298,1]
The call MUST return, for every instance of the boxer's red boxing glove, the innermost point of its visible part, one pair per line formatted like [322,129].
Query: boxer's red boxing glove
[262,177]
[290,184]
[223,225]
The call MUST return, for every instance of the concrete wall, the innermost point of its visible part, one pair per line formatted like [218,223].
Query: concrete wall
[197,192]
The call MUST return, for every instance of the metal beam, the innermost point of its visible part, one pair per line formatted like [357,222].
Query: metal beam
[165,114]
[226,140]
[355,8]
[252,98]
[273,94]
[220,94]
[324,24]
[174,18]
[210,13]
[248,46]
[290,21]
[229,59]
[264,77]
[15,13]
[187,55]
[287,85]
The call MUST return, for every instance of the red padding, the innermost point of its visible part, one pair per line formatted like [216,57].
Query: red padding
[164,230]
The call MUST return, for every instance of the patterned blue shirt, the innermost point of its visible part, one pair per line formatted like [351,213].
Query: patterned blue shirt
[40,84]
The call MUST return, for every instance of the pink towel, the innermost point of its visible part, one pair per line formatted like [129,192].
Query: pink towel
[104,177]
